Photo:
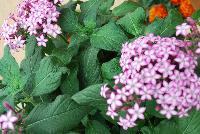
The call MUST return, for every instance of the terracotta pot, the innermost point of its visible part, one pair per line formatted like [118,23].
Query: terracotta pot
[196,4]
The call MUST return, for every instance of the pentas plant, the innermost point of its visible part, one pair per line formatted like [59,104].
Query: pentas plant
[36,17]
[100,69]
[154,68]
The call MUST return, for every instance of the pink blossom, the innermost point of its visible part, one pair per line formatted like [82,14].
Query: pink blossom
[41,40]
[111,113]
[169,111]
[7,121]
[114,101]
[183,29]
[137,112]
[104,90]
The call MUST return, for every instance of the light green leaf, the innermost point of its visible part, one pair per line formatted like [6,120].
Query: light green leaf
[70,84]
[167,26]
[57,117]
[10,72]
[90,96]
[109,37]
[69,21]
[89,12]
[134,22]
[48,77]
[96,127]
[124,8]
[190,124]
[110,69]
[89,69]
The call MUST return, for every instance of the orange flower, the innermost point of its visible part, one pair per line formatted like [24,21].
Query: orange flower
[157,11]
[175,2]
[186,8]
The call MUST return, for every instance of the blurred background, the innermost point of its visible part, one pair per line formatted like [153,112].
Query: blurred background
[8,6]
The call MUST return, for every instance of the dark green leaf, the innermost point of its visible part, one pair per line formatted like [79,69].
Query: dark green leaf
[48,77]
[109,37]
[69,21]
[134,22]
[31,46]
[90,96]
[89,12]
[90,72]
[53,118]
[129,131]
[110,69]
[124,8]
[96,127]
[147,130]
[151,109]
[106,5]
[190,124]
[196,15]
[77,38]
[167,26]
[65,54]
[167,127]
[70,84]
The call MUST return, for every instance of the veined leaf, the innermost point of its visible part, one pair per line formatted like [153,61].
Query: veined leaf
[109,37]
[69,21]
[89,12]
[90,96]
[96,127]
[167,26]
[48,77]
[124,8]
[89,69]
[57,117]
[134,22]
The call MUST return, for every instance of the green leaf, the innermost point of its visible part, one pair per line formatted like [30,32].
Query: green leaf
[151,109]
[61,115]
[65,54]
[196,15]
[10,72]
[89,12]
[147,130]
[69,21]
[90,96]
[133,22]
[109,37]
[124,8]
[48,77]
[167,127]
[129,131]
[106,5]
[31,64]
[89,69]
[77,38]
[31,46]
[70,84]
[167,26]
[111,69]
[190,124]
[96,127]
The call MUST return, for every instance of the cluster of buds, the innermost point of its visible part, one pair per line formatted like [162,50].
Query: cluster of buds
[154,68]
[35,17]
[190,30]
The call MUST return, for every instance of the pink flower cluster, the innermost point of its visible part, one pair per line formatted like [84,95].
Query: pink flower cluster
[7,121]
[37,17]
[191,31]
[154,68]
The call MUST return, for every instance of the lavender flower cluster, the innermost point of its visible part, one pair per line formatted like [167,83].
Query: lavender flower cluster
[190,30]
[154,68]
[7,121]
[36,17]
